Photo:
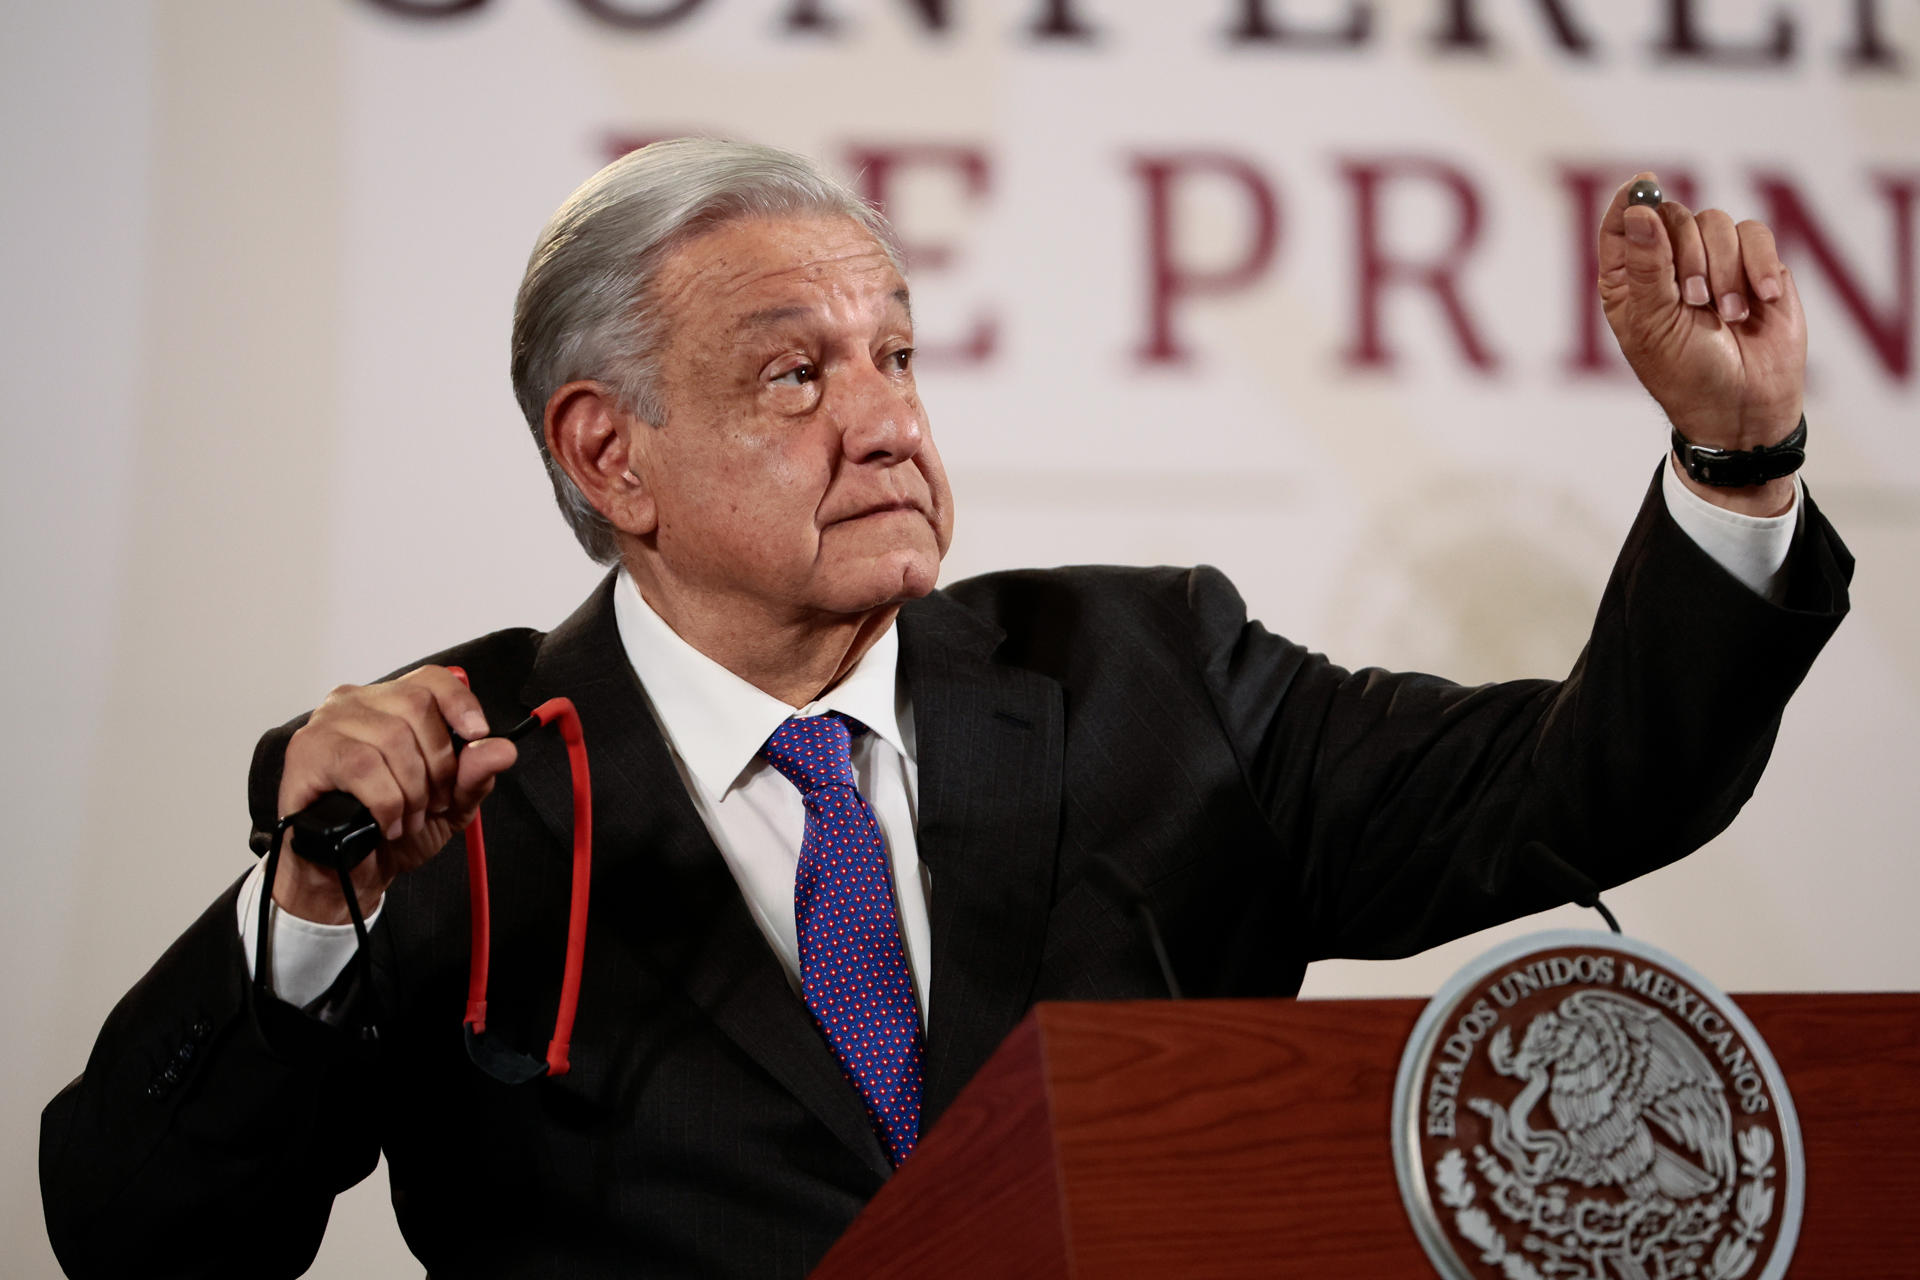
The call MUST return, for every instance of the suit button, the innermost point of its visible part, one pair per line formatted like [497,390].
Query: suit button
[184,1054]
[201,1029]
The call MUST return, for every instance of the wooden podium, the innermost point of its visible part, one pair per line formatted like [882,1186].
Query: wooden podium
[1224,1138]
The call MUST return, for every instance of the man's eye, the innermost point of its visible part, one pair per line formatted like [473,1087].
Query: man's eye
[902,359]
[799,375]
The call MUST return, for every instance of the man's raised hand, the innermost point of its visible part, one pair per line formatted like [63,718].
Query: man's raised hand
[1708,317]
[387,745]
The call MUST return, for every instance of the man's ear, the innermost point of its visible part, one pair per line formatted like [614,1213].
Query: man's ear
[593,440]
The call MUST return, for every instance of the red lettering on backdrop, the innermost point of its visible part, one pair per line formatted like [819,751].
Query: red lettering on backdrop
[1462,31]
[1378,269]
[1887,326]
[1260,26]
[427,8]
[1169,282]
[1057,20]
[877,167]
[1460,28]
[1870,50]
[1889,331]
[1685,41]
[1589,187]
[631,16]
[807,15]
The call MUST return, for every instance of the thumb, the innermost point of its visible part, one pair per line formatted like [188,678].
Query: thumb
[1646,272]
[479,765]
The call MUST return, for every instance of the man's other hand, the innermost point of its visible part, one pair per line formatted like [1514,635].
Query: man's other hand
[1708,317]
[388,746]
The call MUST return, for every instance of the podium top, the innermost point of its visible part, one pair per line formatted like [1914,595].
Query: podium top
[1227,1138]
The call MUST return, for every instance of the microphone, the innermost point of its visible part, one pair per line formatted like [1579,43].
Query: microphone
[1565,879]
[1104,871]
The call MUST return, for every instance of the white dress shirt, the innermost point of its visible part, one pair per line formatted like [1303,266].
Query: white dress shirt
[715,724]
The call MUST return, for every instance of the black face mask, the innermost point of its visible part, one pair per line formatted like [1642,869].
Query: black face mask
[337,831]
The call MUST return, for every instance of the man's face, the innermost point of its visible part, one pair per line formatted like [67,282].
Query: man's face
[795,474]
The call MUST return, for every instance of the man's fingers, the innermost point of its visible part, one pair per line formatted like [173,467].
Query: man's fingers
[408,720]
[371,757]
[389,746]
[401,735]
[1670,254]
[1761,260]
[480,764]
[1614,224]
[399,726]
[1645,282]
[1613,221]
[1726,276]
[457,705]
[414,699]
[454,704]
[397,743]
[1689,253]
[362,770]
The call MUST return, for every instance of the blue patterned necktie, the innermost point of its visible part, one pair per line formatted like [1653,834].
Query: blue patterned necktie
[853,968]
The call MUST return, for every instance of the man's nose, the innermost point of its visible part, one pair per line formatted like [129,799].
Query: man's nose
[879,421]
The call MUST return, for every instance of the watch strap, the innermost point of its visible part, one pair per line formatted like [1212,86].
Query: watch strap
[1742,468]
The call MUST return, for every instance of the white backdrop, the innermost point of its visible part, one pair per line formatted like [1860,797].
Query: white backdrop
[261,261]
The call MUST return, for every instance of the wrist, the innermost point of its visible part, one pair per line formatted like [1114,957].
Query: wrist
[1739,430]
[1773,498]
[1751,481]
[313,893]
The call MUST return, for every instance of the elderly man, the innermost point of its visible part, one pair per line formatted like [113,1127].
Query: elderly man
[849,828]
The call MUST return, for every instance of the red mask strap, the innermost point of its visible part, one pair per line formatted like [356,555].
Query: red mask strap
[561,712]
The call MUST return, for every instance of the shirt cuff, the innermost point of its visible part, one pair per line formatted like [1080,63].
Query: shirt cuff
[1751,548]
[308,958]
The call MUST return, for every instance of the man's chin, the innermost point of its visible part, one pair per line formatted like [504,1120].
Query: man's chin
[891,582]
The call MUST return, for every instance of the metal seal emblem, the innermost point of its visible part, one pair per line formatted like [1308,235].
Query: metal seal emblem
[1579,1105]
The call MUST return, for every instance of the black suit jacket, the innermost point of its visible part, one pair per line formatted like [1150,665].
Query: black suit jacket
[1275,808]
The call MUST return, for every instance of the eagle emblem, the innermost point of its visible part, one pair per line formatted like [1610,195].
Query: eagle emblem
[1635,1104]
[1581,1106]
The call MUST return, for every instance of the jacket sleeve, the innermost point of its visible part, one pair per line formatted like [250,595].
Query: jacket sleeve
[213,1127]
[210,1130]
[1417,810]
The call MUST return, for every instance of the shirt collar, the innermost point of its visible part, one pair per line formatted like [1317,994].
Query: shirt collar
[718,722]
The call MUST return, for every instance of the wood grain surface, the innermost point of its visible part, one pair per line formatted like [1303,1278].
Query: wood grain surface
[1227,1138]
[1852,1063]
[981,1195]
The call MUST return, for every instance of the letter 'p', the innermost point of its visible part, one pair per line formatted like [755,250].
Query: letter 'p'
[1170,281]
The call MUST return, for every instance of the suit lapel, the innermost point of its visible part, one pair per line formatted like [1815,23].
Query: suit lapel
[989,742]
[658,880]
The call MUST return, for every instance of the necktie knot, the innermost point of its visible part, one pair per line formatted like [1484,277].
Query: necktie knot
[814,751]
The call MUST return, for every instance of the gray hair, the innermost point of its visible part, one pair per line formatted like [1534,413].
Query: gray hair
[586,308]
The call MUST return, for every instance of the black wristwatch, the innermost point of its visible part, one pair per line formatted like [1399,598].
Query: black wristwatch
[1742,468]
